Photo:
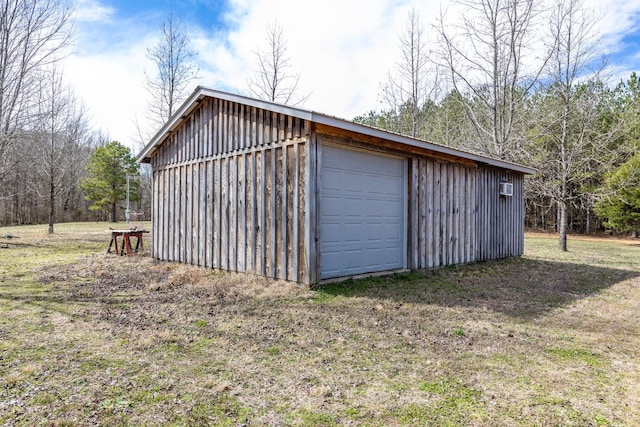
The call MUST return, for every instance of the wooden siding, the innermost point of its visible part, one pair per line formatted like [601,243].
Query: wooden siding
[230,190]
[500,219]
[457,215]
[442,212]
[236,188]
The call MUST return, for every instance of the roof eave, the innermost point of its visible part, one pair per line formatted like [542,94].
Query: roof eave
[201,92]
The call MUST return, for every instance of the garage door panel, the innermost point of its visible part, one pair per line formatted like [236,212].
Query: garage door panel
[331,233]
[352,206]
[389,232]
[374,257]
[352,232]
[363,224]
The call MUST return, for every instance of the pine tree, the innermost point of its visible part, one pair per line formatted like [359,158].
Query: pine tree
[108,169]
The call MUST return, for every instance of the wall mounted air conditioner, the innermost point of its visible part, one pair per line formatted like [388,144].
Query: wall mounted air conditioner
[506,189]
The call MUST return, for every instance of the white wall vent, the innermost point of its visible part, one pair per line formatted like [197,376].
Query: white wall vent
[506,189]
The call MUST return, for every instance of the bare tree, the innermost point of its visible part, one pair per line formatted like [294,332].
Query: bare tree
[174,70]
[409,91]
[58,141]
[274,79]
[485,58]
[33,35]
[576,145]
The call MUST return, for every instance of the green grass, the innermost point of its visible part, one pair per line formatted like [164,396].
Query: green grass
[89,338]
[568,354]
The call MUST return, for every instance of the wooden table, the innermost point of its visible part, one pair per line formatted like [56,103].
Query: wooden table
[125,246]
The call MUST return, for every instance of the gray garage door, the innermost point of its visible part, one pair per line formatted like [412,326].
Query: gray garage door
[362,212]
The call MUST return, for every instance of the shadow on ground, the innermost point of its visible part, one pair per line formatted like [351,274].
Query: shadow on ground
[518,287]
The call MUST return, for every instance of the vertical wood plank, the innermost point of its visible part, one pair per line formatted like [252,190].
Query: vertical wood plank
[157,232]
[184,209]
[209,244]
[253,140]
[224,220]
[478,218]
[429,213]
[450,212]
[178,213]
[155,190]
[437,215]
[242,125]
[281,127]
[296,128]
[302,269]
[295,217]
[444,199]
[422,215]
[276,202]
[289,225]
[274,127]
[464,235]
[195,201]
[233,212]
[242,213]
[455,254]
[159,198]
[170,214]
[260,127]
[269,240]
[225,137]
[282,191]
[207,128]
[195,134]
[217,129]
[483,225]
[188,222]
[217,214]
[267,127]
[522,212]
[250,229]
[236,126]
[195,224]
[310,186]
[202,212]
[261,200]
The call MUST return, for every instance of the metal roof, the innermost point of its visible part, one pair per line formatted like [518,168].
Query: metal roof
[202,92]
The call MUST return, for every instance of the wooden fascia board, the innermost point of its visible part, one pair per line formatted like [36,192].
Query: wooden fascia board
[391,145]
[413,145]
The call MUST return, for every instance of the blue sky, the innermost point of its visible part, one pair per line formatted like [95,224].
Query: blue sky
[343,49]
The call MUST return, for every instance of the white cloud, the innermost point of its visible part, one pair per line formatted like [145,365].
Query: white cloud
[92,11]
[111,88]
[343,49]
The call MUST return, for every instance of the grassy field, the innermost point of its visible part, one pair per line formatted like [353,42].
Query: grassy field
[89,338]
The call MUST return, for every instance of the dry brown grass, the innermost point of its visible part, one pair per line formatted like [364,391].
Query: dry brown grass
[549,339]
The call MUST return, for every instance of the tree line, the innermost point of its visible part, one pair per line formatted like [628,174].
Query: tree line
[524,82]
[518,80]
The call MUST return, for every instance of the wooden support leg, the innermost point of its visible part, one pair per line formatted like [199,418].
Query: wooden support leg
[114,242]
[127,243]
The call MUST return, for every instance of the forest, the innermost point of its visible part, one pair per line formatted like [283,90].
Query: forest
[510,79]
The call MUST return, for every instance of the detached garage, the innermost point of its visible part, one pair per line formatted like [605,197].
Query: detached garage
[246,185]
